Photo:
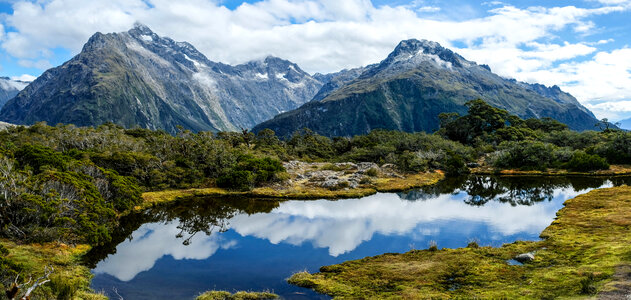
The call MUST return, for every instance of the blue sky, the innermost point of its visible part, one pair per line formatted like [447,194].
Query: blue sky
[582,46]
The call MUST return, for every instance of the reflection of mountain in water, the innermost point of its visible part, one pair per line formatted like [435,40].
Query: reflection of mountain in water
[457,208]
[512,190]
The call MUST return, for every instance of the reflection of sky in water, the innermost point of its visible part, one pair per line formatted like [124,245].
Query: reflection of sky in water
[259,251]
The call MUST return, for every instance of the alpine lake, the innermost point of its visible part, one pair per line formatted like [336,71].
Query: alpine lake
[181,250]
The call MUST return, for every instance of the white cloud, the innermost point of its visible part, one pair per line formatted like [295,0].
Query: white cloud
[322,35]
[152,242]
[24,77]
[603,83]
[428,9]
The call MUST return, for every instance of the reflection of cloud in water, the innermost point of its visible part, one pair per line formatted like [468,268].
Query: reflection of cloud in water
[340,226]
[153,241]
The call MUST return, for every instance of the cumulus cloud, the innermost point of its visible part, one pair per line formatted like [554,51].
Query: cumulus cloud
[322,35]
[24,77]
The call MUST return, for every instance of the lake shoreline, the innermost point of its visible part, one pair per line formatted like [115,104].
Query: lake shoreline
[583,252]
[313,181]
[381,183]
[73,268]
[614,170]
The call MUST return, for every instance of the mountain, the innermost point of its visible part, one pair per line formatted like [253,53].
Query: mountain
[139,79]
[415,83]
[625,124]
[334,81]
[9,88]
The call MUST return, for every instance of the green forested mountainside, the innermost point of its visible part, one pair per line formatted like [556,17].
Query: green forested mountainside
[418,81]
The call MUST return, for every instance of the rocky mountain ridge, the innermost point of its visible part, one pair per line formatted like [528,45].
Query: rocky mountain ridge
[139,79]
[9,88]
[417,81]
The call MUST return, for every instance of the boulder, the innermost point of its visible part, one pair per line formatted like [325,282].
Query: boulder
[365,166]
[525,257]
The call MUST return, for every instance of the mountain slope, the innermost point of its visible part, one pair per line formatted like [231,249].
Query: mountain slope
[625,124]
[415,83]
[9,88]
[138,78]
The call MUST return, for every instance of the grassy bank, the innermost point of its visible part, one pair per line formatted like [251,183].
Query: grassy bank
[614,170]
[586,251]
[301,190]
[223,295]
[70,279]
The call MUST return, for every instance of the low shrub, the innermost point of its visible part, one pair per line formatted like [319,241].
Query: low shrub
[236,180]
[583,162]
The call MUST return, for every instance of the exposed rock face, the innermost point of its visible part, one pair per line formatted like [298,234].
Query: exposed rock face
[415,83]
[336,80]
[4,125]
[10,88]
[525,257]
[138,78]
[333,176]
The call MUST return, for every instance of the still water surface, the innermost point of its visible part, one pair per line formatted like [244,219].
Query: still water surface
[179,251]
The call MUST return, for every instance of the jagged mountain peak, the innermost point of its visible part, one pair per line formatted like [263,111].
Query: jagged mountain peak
[413,46]
[409,89]
[141,28]
[139,78]
[411,53]
[413,49]
[275,68]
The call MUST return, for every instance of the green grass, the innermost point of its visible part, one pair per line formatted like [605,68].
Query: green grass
[69,277]
[584,252]
[223,295]
[299,191]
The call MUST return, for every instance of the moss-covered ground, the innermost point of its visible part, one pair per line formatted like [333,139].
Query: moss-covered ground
[300,190]
[584,253]
[223,295]
[70,278]
[614,170]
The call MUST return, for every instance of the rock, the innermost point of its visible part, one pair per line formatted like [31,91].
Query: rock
[525,257]
[388,166]
[331,183]
[473,165]
[365,166]
[394,175]
[294,164]
[346,166]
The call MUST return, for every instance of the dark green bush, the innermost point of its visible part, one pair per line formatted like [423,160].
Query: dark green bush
[38,157]
[236,180]
[264,169]
[124,191]
[372,172]
[583,162]
[456,165]
[525,155]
